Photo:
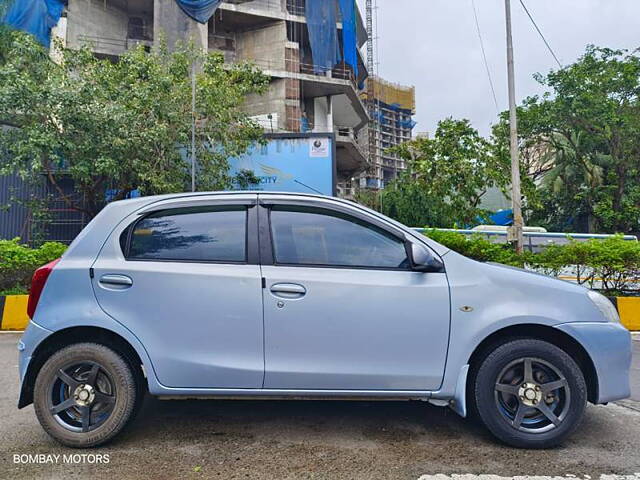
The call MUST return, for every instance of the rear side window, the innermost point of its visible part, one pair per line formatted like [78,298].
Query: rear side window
[209,234]
[307,236]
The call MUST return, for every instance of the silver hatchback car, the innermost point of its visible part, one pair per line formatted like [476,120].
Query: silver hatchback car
[246,295]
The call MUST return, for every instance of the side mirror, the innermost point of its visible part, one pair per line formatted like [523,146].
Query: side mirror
[422,260]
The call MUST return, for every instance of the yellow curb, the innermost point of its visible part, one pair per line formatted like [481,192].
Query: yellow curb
[14,314]
[629,309]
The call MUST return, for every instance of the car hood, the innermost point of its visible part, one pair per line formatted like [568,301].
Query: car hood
[529,277]
[502,291]
[531,272]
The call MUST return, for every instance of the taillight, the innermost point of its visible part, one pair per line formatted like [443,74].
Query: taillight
[37,285]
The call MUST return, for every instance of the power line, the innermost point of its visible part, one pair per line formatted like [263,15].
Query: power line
[484,55]
[540,33]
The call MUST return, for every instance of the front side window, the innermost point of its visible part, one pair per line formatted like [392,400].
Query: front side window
[209,234]
[306,236]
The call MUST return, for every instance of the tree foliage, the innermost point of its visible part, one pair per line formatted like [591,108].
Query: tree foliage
[582,140]
[121,125]
[579,150]
[447,177]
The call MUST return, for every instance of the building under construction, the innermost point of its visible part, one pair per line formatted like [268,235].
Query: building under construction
[294,42]
[310,49]
[392,109]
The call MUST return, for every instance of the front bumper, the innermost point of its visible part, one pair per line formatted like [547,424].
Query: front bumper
[609,346]
[33,335]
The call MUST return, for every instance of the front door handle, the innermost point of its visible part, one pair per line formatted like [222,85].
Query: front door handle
[288,290]
[118,281]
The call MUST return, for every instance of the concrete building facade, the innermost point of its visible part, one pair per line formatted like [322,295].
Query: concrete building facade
[272,34]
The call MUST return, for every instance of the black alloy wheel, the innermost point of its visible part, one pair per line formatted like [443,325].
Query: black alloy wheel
[85,394]
[529,393]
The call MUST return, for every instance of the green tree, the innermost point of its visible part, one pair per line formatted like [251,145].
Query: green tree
[121,125]
[407,201]
[588,128]
[447,177]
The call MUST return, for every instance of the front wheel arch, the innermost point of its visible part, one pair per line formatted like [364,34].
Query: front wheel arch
[69,336]
[551,335]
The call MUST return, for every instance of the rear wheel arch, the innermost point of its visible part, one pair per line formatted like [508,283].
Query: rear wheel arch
[548,334]
[69,336]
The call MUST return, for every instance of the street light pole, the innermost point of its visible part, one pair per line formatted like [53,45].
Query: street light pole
[515,232]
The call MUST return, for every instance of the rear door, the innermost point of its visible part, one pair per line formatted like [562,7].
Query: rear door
[184,278]
[342,309]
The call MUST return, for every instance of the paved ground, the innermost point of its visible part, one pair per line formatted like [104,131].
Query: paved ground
[327,440]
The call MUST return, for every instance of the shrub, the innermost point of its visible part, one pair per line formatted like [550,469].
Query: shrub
[611,265]
[17,290]
[18,262]
[477,247]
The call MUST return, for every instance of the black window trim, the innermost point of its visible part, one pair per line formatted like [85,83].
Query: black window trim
[269,258]
[251,253]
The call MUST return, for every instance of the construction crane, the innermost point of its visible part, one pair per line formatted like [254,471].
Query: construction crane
[371,39]
[371,9]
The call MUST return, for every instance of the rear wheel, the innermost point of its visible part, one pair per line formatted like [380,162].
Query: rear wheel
[84,395]
[529,393]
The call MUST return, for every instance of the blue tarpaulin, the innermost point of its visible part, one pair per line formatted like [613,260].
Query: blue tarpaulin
[349,35]
[37,17]
[501,217]
[200,10]
[323,34]
[407,123]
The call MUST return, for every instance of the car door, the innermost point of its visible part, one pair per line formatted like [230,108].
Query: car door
[184,278]
[342,309]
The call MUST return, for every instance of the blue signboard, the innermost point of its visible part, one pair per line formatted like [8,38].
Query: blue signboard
[301,163]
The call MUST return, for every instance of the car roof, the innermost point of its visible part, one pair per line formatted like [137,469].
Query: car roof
[168,196]
[147,201]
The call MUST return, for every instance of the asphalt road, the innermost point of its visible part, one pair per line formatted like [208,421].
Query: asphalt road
[297,439]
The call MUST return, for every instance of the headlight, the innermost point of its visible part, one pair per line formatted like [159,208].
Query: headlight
[605,306]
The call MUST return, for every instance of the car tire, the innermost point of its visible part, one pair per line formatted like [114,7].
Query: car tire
[529,393]
[85,394]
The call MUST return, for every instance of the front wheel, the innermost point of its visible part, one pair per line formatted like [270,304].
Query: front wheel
[84,395]
[529,393]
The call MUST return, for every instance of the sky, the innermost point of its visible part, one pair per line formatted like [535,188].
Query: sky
[433,44]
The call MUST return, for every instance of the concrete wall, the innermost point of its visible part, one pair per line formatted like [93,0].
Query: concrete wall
[272,102]
[170,22]
[265,46]
[103,25]
[224,43]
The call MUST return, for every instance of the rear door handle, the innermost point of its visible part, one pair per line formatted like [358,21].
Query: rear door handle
[113,280]
[288,290]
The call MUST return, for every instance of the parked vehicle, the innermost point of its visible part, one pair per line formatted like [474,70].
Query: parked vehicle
[246,295]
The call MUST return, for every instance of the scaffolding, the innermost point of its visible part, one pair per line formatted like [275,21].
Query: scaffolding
[394,94]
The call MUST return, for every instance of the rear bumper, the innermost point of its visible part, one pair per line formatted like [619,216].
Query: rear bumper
[609,346]
[31,338]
